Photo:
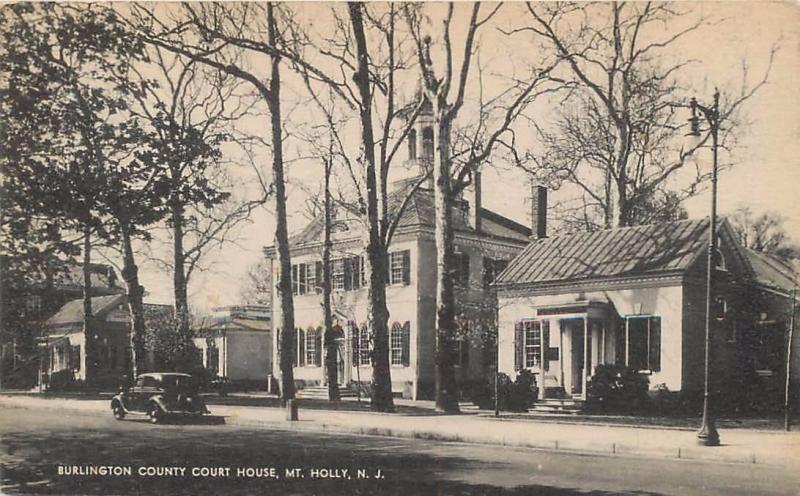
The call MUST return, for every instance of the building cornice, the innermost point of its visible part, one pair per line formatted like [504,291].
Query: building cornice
[558,287]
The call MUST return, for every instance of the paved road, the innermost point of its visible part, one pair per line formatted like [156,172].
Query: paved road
[35,443]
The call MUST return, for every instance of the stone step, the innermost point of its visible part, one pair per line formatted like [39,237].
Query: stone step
[557,406]
[321,393]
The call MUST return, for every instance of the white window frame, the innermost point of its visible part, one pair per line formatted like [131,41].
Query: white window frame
[532,356]
[363,346]
[396,267]
[311,347]
[337,274]
[396,344]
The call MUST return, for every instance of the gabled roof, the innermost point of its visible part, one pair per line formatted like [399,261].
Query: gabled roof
[419,211]
[103,278]
[648,250]
[771,271]
[72,311]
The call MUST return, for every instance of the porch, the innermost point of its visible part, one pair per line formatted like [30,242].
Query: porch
[563,344]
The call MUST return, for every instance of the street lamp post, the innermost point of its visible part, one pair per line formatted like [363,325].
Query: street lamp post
[708,435]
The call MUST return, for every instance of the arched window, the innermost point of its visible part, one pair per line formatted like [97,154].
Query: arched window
[362,345]
[427,143]
[399,340]
[412,144]
[719,261]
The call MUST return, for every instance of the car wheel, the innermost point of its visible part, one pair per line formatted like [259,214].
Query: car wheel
[119,412]
[155,414]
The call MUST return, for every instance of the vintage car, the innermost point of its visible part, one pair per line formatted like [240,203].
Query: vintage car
[159,395]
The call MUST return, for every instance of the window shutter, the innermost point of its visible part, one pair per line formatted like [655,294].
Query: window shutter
[354,336]
[406,355]
[358,272]
[294,279]
[348,273]
[518,348]
[363,271]
[389,269]
[655,344]
[406,267]
[319,275]
[545,344]
[464,269]
[301,342]
[318,346]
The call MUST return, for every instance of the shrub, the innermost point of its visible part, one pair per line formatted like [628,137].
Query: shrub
[515,396]
[617,388]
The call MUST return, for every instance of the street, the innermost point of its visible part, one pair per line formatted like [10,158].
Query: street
[183,458]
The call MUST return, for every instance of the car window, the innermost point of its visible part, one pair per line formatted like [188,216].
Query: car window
[140,382]
[178,382]
[150,382]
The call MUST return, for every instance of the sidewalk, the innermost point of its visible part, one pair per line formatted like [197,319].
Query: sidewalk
[739,446]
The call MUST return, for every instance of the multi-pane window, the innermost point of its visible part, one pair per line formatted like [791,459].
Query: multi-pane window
[302,278]
[643,338]
[396,344]
[313,351]
[399,267]
[337,274]
[533,343]
[362,345]
[530,339]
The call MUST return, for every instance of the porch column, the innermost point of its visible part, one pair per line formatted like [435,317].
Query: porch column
[602,343]
[561,353]
[586,357]
[541,357]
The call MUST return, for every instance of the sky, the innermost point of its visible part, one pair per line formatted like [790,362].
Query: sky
[764,177]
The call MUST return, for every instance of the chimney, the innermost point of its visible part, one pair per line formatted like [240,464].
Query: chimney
[475,204]
[538,212]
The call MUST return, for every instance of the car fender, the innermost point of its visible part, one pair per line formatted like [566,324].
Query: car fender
[161,402]
[117,400]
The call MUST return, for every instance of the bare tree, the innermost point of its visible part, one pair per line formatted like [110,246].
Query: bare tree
[617,137]
[459,155]
[190,111]
[764,233]
[208,34]
[256,289]
[363,57]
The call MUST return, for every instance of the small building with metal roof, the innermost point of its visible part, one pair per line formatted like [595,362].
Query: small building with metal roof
[636,296]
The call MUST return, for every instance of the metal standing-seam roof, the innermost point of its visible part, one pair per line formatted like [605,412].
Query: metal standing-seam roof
[772,271]
[621,252]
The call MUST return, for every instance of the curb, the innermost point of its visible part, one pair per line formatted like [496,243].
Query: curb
[614,449]
[550,445]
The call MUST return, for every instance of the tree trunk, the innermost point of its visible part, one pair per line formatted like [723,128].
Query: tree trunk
[331,368]
[90,343]
[281,231]
[446,388]
[179,268]
[130,273]
[378,314]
